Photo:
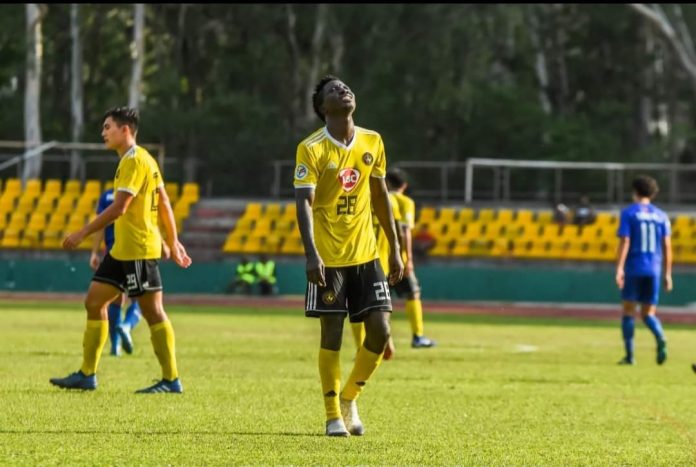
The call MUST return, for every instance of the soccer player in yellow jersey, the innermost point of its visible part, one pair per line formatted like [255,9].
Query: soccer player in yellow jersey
[339,175]
[131,265]
[408,287]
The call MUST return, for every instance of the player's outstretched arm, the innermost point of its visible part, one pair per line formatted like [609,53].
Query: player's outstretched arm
[166,215]
[667,259]
[382,207]
[624,244]
[304,199]
[122,200]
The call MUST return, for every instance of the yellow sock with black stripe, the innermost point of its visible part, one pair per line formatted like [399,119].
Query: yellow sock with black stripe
[96,333]
[366,363]
[358,334]
[330,373]
[162,337]
[414,311]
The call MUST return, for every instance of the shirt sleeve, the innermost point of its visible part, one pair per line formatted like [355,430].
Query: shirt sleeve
[380,168]
[667,228]
[396,211]
[624,227]
[101,205]
[408,212]
[306,174]
[130,176]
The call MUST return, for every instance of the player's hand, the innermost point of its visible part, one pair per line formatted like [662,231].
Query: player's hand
[179,255]
[668,283]
[408,267]
[620,279]
[396,269]
[73,240]
[316,273]
[389,349]
[94,261]
[166,251]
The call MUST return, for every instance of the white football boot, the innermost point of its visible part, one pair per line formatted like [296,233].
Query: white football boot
[349,410]
[336,427]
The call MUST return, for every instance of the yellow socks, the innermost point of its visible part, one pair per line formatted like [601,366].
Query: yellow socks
[330,372]
[358,333]
[366,363]
[414,311]
[162,337]
[93,342]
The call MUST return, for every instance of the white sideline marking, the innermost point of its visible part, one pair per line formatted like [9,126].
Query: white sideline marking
[525,348]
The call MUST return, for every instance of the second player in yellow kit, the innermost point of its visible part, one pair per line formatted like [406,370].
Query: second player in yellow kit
[339,177]
[132,264]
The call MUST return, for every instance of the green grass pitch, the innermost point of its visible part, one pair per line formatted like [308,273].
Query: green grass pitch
[496,391]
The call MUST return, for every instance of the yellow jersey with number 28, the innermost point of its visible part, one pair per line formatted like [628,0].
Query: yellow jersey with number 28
[340,176]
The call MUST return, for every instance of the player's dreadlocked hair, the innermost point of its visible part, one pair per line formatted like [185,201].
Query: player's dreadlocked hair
[645,186]
[396,178]
[318,96]
[124,116]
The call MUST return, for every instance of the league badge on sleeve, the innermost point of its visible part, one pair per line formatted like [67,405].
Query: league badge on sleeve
[301,171]
[367,158]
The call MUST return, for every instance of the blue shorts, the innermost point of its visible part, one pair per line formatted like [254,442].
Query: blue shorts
[641,289]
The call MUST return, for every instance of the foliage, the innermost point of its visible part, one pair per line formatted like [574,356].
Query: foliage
[223,89]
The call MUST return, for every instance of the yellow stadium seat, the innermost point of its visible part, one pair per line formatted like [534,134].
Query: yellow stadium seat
[461,247]
[252,245]
[606,219]
[524,216]
[290,212]
[447,216]
[33,186]
[426,215]
[466,215]
[244,224]
[53,186]
[172,189]
[442,248]
[283,226]
[505,216]
[190,191]
[252,211]
[109,184]
[486,215]
[73,187]
[292,246]
[10,238]
[272,211]
[93,187]
[544,217]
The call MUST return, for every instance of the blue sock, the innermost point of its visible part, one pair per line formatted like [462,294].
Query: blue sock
[628,327]
[653,323]
[132,315]
[114,313]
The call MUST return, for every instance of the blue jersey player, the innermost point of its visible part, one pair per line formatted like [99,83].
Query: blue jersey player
[119,330]
[645,246]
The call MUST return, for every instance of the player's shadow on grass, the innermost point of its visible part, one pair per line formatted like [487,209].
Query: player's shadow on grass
[157,433]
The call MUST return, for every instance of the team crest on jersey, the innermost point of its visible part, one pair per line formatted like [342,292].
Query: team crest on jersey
[367,158]
[348,178]
[301,171]
[329,297]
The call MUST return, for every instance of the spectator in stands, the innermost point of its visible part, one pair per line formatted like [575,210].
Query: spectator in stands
[246,277]
[584,213]
[423,241]
[561,214]
[265,274]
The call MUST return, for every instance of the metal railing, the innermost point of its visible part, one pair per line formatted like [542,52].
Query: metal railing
[506,180]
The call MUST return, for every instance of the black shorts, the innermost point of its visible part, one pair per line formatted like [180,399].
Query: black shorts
[356,290]
[407,286]
[133,277]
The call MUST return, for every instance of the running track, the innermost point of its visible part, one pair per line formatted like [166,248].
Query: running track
[520,310]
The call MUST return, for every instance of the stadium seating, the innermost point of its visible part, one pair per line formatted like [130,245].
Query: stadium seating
[41,213]
[467,232]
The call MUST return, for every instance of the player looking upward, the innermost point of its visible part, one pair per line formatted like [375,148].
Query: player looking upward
[339,175]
